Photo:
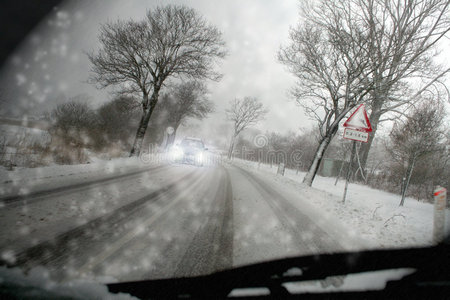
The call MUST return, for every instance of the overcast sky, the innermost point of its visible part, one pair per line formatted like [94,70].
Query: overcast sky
[51,62]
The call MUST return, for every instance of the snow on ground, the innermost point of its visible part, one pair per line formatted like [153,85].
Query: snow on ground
[373,214]
[59,214]
[258,234]
[23,180]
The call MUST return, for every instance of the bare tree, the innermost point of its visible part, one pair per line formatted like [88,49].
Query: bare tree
[183,101]
[403,36]
[244,113]
[419,135]
[74,126]
[140,56]
[397,40]
[72,117]
[331,68]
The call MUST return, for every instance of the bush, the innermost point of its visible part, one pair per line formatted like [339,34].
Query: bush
[118,122]
[74,128]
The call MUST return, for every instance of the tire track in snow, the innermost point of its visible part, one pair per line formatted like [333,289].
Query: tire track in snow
[73,188]
[212,246]
[137,233]
[65,246]
[307,234]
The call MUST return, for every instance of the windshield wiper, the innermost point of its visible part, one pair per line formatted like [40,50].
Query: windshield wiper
[432,265]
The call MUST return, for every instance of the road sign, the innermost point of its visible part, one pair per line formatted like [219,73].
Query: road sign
[357,128]
[356,135]
[359,120]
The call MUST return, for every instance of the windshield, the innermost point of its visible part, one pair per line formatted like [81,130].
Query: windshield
[321,129]
[192,144]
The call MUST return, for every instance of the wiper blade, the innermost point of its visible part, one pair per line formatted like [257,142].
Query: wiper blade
[431,265]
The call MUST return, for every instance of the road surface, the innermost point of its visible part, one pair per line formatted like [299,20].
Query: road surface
[162,221]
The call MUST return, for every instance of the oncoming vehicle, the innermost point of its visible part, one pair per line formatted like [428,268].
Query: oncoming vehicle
[190,150]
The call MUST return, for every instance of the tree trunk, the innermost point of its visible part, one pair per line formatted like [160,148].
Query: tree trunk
[231,149]
[365,147]
[143,124]
[315,164]
[408,178]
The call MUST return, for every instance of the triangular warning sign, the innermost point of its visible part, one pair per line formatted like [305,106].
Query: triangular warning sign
[359,120]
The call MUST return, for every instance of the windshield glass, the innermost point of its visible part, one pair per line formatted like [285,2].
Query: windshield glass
[192,144]
[321,130]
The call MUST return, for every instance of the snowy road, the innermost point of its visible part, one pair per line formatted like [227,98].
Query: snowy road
[158,222]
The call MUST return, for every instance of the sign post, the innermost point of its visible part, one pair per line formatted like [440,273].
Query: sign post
[357,128]
[349,170]
[281,169]
[440,202]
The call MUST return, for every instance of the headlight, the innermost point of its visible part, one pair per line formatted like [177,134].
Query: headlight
[176,152]
[199,157]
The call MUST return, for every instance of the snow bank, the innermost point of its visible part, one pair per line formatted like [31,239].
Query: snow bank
[373,214]
[22,180]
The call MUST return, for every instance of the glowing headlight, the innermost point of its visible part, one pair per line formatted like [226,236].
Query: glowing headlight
[176,152]
[199,157]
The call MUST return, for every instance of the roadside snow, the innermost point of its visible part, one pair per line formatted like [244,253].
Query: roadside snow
[62,211]
[22,181]
[259,234]
[374,215]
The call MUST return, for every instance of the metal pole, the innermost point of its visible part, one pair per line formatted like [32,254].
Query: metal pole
[339,174]
[349,170]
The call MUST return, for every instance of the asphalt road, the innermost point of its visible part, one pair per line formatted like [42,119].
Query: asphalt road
[167,221]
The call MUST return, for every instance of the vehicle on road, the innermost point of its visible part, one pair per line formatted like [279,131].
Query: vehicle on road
[190,151]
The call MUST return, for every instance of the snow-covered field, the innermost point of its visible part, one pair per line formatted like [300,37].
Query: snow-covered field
[374,215]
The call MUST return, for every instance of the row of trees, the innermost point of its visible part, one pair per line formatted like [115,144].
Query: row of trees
[378,52]
[410,160]
[139,57]
[419,136]
[75,125]
[295,150]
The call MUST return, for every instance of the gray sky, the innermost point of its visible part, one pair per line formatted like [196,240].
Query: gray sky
[52,61]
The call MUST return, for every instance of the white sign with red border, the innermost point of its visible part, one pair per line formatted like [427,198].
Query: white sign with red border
[357,126]
[359,120]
